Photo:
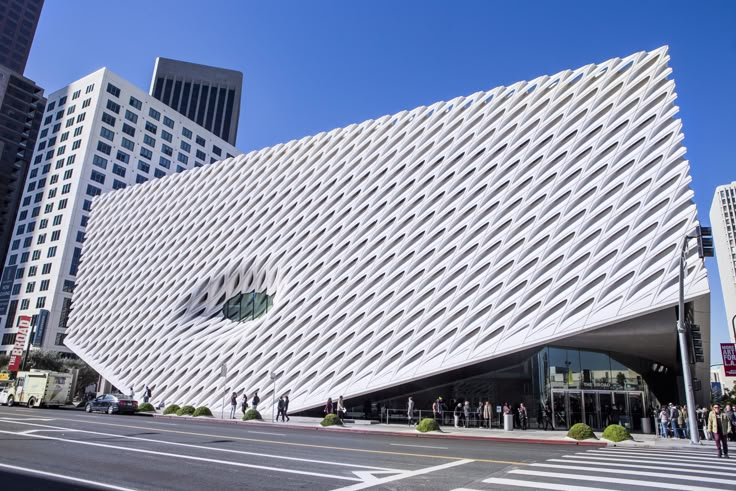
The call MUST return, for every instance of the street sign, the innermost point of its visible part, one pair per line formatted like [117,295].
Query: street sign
[24,327]
[728,351]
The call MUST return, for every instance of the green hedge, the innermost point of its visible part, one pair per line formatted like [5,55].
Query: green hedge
[146,407]
[202,411]
[331,420]
[173,409]
[428,424]
[616,433]
[251,414]
[186,410]
[581,431]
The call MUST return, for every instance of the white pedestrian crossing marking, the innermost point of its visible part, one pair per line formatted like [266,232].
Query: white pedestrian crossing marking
[686,469]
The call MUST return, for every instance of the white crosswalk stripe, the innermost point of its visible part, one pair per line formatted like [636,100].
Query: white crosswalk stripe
[686,469]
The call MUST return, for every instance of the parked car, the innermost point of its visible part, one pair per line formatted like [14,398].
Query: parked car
[111,404]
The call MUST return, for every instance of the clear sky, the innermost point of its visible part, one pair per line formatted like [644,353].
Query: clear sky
[311,66]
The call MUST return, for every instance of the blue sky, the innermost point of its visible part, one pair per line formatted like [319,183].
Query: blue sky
[314,66]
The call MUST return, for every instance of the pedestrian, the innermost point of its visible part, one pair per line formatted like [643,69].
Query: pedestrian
[674,414]
[706,432]
[547,417]
[435,409]
[280,413]
[244,403]
[132,392]
[286,408]
[328,406]
[466,414]
[146,393]
[233,404]
[410,411]
[523,416]
[664,422]
[341,411]
[720,426]
[441,410]
[479,414]
[487,414]
[456,413]
[256,400]
[683,423]
[732,418]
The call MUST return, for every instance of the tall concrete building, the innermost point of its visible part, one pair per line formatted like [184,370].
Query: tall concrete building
[99,134]
[207,95]
[21,107]
[18,22]
[519,244]
[723,221]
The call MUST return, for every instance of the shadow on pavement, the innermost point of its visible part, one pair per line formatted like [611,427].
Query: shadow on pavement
[21,480]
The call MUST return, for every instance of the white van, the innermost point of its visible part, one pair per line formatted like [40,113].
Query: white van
[39,388]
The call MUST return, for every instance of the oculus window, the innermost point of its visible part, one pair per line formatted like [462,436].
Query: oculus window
[247,306]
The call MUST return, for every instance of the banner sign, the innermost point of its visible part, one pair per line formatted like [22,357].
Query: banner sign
[24,323]
[41,321]
[728,351]
[6,285]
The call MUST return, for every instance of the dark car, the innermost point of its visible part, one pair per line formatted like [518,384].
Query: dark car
[111,404]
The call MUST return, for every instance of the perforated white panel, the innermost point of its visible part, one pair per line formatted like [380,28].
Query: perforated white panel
[399,247]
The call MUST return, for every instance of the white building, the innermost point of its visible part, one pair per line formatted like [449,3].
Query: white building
[518,244]
[100,133]
[723,222]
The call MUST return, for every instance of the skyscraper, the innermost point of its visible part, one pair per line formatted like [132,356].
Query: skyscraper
[98,134]
[18,21]
[723,221]
[207,95]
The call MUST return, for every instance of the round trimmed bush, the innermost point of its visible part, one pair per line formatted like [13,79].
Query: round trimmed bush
[146,407]
[171,409]
[428,424]
[251,414]
[580,431]
[186,411]
[616,433]
[331,420]
[202,411]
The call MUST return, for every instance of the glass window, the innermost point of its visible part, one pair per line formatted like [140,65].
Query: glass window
[99,162]
[108,119]
[182,158]
[185,146]
[111,89]
[118,184]
[113,106]
[164,162]
[140,179]
[167,149]
[128,130]
[135,103]
[149,140]
[151,127]
[127,144]
[217,150]
[98,177]
[165,135]
[122,157]
[146,153]
[107,133]
[144,166]
[168,122]
[200,141]
[158,173]
[186,132]
[93,191]
[131,116]
[104,148]
[247,306]
[154,114]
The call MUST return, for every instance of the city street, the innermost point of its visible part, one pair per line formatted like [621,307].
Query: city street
[73,450]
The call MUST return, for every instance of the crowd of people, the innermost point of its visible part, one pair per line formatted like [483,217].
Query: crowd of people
[282,405]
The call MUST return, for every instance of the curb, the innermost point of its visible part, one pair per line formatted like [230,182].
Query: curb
[438,436]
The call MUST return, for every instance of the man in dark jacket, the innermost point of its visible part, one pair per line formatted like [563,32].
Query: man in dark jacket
[281,413]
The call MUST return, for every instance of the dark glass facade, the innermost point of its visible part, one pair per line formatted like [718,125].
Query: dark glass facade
[18,21]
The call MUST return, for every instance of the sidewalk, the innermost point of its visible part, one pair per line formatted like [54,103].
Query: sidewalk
[495,434]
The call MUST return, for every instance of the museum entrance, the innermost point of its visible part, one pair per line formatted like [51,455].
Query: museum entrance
[598,408]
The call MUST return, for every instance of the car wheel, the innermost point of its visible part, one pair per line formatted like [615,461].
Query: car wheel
[11,401]
[109,410]
[31,402]
[88,408]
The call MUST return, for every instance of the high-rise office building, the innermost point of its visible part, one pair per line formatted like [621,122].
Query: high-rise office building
[207,95]
[723,221]
[18,21]
[98,134]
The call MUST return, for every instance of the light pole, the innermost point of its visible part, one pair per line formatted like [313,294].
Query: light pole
[223,375]
[733,325]
[273,377]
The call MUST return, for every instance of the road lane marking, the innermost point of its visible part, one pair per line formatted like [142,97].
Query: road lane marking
[630,472]
[416,446]
[191,457]
[217,449]
[676,463]
[63,477]
[404,475]
[705,458]
[45,430]
[540,485]
[672,467]
[294,444]
[611,480]
[266,433]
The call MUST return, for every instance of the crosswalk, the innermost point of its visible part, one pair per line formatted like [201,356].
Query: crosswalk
[615,468]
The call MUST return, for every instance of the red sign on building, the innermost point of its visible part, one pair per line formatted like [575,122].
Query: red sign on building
[728,351]
[21,337]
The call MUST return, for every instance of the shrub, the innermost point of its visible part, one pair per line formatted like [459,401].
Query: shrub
[331,420]
[580,431]
[428,424]
[202,411]
[171,409]
[251,414]
[146,407]
[185,410]
[616,433]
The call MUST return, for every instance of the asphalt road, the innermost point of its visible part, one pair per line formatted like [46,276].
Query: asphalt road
[58,449]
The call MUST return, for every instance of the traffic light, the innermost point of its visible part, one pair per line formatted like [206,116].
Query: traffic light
[696,344]
[705,241]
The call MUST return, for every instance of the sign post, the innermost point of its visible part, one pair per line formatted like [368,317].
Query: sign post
[21,338]
[728,351]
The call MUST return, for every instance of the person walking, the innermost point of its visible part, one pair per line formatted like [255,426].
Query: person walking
[674,413]
[244,403]
[523,416]
[683,423]
[456,413]
[146,393]
[280,409]
[341,412]
[435,410]
[479,414]
[732,418]
[466,414]
[328,406]
[286,408]
[664,422]
[132,392]
[547,417]
[255,400]
[410,411]
[487,414]
[233,404]
[720,425]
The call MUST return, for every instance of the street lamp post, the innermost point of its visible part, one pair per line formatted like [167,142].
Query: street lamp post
[684,354]
[273,398]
